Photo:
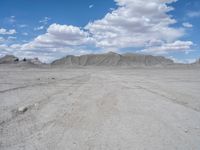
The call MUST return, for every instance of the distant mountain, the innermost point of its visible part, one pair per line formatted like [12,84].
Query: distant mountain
[113,59]
[197,62]
[8,59]
[34,61]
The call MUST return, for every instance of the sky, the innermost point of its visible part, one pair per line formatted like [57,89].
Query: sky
[51,29]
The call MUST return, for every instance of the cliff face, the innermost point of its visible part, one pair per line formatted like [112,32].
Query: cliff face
[113,59]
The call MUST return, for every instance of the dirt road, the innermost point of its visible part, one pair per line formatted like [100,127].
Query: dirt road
[99,109]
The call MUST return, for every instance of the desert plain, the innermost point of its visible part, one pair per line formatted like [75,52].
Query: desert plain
[99,108]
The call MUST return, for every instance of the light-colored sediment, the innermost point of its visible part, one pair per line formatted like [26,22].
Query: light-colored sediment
[99,109]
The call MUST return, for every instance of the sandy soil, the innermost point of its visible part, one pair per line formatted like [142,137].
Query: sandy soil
[99,109]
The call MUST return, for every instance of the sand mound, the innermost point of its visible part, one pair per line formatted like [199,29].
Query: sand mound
[113,59]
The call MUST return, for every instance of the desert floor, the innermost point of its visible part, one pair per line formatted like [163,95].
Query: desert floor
[99,109]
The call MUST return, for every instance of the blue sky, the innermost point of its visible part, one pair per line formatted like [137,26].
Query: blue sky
[50,29]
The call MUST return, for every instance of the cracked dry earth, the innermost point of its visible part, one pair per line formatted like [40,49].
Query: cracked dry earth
[99,109]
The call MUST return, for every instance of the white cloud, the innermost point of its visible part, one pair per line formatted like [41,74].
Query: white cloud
[193,14]
[8,40]
[63,35]
[23,26]
[11,38]
[57,38]
[91,6]
[39,28]
[187,25]
[12,19]
[8,32]
[177,46]
[134,24]
[2,40]
[25,33]
[45,20]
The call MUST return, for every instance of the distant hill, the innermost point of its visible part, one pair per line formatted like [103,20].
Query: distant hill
[34,61]
[113,59]
[9,59]
[197,62]
[106,59]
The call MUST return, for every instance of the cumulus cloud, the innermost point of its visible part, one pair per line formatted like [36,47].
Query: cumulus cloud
[8,32]
[62,36]
[134,24]
[187,25]
[59,38]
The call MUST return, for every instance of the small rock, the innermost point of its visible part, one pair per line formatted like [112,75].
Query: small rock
[186,131]
[53,78]
[22,109]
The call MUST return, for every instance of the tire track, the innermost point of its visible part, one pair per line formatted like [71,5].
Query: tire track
[31,129]
[38,84]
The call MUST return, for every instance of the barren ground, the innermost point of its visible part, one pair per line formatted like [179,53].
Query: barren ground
[100,109]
